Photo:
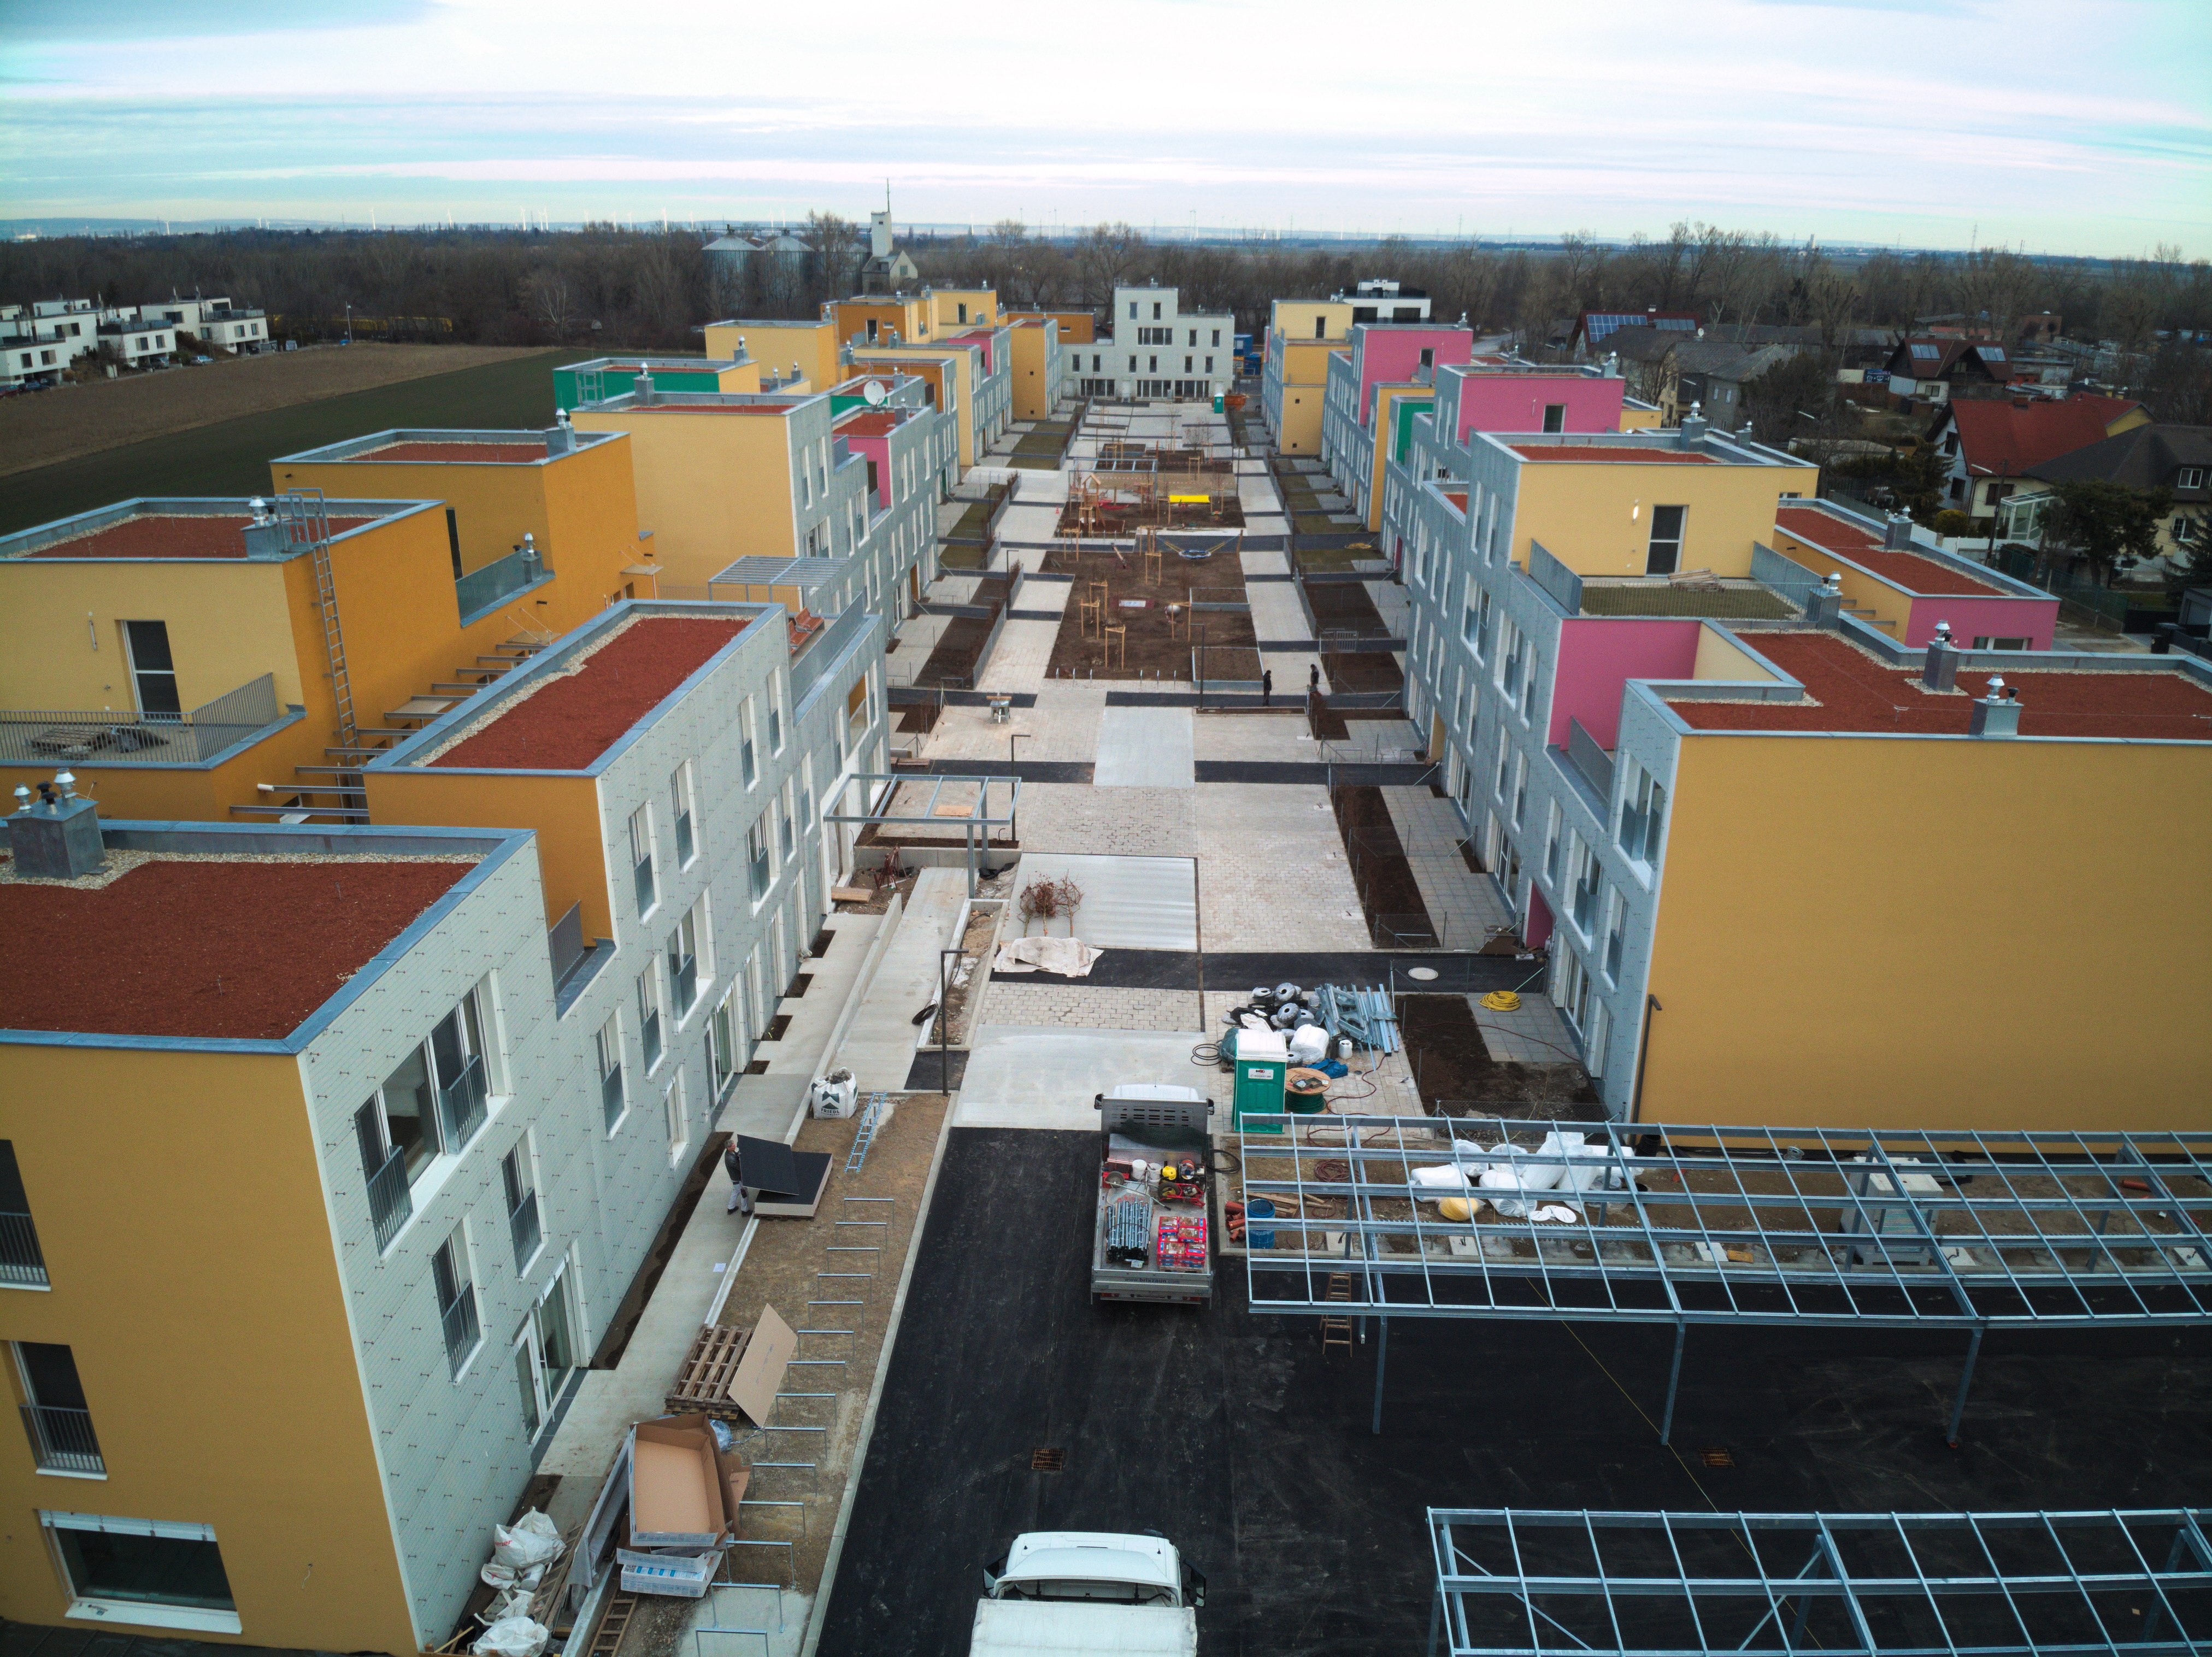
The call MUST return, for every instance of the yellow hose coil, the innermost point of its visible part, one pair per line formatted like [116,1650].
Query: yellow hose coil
[1501,1000]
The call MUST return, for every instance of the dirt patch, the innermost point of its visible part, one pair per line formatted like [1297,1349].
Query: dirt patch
[1119,513]
[74,420]
[1388,895]
[959,648]
[1158,645]
[1454,1075]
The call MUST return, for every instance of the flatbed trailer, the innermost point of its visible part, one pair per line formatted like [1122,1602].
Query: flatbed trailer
[1152,1122]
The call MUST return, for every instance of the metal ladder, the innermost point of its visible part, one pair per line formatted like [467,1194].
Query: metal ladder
[871,1115]
[307,521]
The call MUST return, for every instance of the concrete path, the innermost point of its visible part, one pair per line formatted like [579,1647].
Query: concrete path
[1145,748]
[1129,903]
[1533,1033]
[879,1047]
[1464,907]
[1023,1077]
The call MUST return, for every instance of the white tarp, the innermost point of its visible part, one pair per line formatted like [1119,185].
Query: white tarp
[1069,957]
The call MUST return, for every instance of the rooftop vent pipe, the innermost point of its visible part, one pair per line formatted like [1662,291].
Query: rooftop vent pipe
[1941,670]
[1693,434]
[1823,606]
[57,835]
[1896,532]
[1998,713]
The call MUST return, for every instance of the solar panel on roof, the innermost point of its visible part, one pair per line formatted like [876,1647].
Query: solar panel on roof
[1991,354]
[1928,352]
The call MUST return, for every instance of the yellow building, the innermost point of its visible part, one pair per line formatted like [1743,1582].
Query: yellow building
[1076,327]
[1294,369]
[951,309]
[959,371]
[782,351]
[178,655]
[1039,372]
[882,319]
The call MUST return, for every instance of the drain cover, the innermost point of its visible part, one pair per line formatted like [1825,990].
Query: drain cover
[1048,1461]
[1717,1457]
[1424,973]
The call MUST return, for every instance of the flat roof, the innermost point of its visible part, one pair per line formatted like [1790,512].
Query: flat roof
[1618,453]
[208,944]
[869,422]
[1848,688]
[475,452]
[164,535]
[1910,570]
[572,714]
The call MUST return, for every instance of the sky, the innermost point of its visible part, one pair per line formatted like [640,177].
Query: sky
[2082,127]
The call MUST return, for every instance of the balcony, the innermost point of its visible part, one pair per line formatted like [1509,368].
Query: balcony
[62,1441]
[390,1202]
[489,586]
[458,1319]
[819,653]
[21,1261]
[111,737]
[461,1103]
[1594,763]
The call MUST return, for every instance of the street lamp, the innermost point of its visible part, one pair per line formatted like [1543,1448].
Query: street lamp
[349,340]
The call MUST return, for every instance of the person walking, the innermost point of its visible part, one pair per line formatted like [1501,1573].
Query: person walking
[741,1200]
[1313,680]
[1267,685]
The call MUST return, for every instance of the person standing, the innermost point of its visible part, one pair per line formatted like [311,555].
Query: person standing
[1313,680]
[741,1200]
[1267,685]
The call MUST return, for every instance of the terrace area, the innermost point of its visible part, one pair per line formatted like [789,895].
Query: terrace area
[175,529]
[181,944]
[451,448]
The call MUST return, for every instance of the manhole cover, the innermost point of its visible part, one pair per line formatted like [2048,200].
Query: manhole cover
[1717,1457]
[1048,1461]
[1424,973]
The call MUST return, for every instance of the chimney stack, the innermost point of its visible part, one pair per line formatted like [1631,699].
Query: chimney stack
[645,388]
[1824,606]
[1942,672]
[560,436]
[1693,435]
[57,835]
[1998,713]
[264,535]
[1896,532]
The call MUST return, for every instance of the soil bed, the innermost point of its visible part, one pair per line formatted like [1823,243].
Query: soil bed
[960,646]
[1456,1076]
[1119,519]
[1396,918]
[1154,651]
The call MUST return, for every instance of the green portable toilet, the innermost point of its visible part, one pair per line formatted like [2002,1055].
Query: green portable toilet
[1263,1058]
[1218,403]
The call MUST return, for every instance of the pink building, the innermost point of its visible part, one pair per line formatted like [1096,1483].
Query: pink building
[1504,397]
[1400,353]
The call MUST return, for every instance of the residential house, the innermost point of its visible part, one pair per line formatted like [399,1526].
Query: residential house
[887,270]
[1589,334]
[1378,300]
[1159,352]
[1383,364]
[2177,459]
[606,376]
[793,356]
[1302,336]
[1990,444]
[1928,370]
[139,344]
[1038,365]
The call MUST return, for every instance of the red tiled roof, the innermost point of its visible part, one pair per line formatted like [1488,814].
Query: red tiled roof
[571,719]
[187,949]
[1852,691]
[1910,571]
[169,535]
[1623,452]
[474,454]
[2001,438]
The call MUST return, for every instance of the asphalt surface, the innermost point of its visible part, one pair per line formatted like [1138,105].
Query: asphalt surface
[1233,1435]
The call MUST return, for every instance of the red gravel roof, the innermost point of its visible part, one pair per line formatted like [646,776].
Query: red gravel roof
[1623,452]
[234,948]
[474,454]
[868,423]
[574,718]
[169,535]
[1910,571]
[1854,692]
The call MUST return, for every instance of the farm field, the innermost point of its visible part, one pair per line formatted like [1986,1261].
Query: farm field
[231,456]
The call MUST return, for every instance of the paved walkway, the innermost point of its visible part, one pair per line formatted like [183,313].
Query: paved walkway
[1021,1076]
[1463,906]
[1145,748]
[879,1048]
[1533,1033]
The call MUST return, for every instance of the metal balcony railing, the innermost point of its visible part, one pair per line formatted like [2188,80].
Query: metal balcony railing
[684,974]
[1592,761]
[21,1261]
[522,1225]
[651,1037]
[1555,578]
[461,1104]
[641,879]
[821,653]
[611,1095]
[63,1439]
[390,1201]
[459,1320]
[31,736]
[500,580]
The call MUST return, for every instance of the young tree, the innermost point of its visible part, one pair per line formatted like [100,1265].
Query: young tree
[1794,397]
[2103,523]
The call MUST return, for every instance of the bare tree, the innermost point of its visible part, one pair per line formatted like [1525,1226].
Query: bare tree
[1994,286]
[836,243]
[1106,257]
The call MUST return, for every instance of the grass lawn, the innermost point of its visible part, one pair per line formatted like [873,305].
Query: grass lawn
[231,458]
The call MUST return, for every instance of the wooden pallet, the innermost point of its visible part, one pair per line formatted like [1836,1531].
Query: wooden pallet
[703,1385]
[613,1619]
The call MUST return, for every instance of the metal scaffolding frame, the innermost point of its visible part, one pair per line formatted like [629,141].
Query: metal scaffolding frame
[1679,1225]
[1529,1582]
[975,824]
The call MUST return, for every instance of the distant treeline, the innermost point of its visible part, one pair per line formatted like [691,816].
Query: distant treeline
[651,288]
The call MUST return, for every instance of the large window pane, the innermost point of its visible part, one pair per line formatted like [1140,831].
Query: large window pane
[411,1111]
[160,1570]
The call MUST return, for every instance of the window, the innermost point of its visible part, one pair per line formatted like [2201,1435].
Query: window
[1581,862]
[1520,789]
[1320,328]
[1133,365]
[641,859]
[1186,368]
[1665,555]
[679,811]
[1216,338]
[683,964]
[1642,810]
[1152,365]
[1573,992]
[152,670]
[648,1016]
[1155,310]
[963,313]
[723,1036]
[1528,686]
[678,1118]
[456,1300]
[1616,929]
[1985,642]
[786,840]
[775,703]
[1552,837]
[611,1071]
[128,1563]
[745,741]
[1132,310]
[54,1411]
[2189,478]
[1513,660]
[521,1204]
[1555,417]
[21,1261]
[1428,357]
[757,855]
[434,1102]
[1209,365]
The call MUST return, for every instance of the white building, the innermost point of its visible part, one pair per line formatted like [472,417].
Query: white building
[1158,350]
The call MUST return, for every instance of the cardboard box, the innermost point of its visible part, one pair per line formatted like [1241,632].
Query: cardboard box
[683,1493]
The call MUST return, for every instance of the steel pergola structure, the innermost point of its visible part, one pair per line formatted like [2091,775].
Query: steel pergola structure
[1528,1581]
[1682,1225]
[970,813]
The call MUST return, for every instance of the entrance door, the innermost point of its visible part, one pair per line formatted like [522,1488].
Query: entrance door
[1665,556]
